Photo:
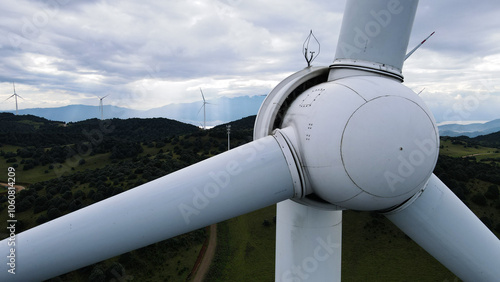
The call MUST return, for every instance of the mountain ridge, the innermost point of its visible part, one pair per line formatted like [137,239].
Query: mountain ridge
[469,130]
[218,111]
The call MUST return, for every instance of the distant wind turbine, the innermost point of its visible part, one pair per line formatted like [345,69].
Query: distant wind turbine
[204,110]
[15,96]
[101,108]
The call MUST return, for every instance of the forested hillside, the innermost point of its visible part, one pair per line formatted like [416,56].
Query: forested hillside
[471,168]
[65,167]
[34,131]
[491,140]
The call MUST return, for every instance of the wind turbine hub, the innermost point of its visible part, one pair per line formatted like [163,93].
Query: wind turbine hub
[365,142]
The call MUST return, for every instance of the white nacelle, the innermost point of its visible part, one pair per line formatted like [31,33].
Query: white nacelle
[366,142]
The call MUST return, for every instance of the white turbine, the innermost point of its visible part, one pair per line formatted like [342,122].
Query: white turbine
[348,136]
[15,95]
[228,127]
[204,110]
[101,107]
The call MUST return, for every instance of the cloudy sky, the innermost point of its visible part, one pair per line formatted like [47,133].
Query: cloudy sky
[147,54]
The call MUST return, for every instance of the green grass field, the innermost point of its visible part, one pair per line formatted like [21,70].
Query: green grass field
[373,249]
[245,248]
[457,151]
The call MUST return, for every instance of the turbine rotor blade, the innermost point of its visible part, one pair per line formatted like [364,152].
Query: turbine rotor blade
[236,182]
[308,243]
[203,96]
[9,97]
[442,224]
[384,49]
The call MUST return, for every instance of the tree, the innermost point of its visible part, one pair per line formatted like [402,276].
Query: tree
[24,205]
[115,271]
[68,195]
[75,205]
[41,204]
[492,192]
[479,199]
[97,275]
[11,160]
[41,219]
[53,213]
[80,194]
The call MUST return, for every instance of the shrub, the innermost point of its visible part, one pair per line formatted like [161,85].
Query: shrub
[479,199]
[492,192]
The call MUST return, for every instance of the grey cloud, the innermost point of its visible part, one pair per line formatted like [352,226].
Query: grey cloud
[107,46]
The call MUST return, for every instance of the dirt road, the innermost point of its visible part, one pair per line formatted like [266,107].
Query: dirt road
[202,270]
[18,187]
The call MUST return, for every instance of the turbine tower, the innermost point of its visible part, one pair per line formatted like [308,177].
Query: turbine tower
[326,139]
[204,110]
[101,107]
[15,95]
